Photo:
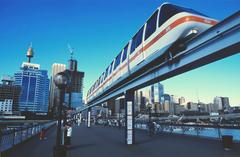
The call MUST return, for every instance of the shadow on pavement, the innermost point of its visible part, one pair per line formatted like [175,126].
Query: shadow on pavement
[80,146]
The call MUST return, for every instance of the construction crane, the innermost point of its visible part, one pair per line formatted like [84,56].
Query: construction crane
[70,50]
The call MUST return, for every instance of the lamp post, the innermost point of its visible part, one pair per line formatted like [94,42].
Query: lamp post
[149,106]
[61,80]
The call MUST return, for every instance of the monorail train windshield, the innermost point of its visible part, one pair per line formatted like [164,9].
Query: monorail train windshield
[169,10]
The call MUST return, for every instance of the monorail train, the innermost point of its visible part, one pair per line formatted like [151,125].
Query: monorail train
[167,25]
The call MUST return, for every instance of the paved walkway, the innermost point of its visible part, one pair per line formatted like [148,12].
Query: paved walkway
[101,141]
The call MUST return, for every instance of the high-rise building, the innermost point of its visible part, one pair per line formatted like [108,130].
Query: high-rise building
[35,88]
[168,104]
[9,96]
[181,101]
[211,107]
[192,106]
[222,103]
[156,93]
[56,68]
[74,93]
[225,102]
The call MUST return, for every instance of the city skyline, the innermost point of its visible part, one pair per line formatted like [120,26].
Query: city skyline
[50,26]
[211,86]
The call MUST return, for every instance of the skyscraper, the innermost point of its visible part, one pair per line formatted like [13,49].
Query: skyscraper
[35,86]
[181,100]
[222,103]
[56,68]
[74,92]
[157,92]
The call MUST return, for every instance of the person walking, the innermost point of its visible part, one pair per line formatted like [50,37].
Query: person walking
[42,134]
[69,134]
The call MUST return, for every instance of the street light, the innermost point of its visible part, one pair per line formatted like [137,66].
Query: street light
[149,107]
[61,80]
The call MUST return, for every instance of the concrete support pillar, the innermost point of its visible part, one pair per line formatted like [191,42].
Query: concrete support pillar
[129,115]
[89,118]
[80,118]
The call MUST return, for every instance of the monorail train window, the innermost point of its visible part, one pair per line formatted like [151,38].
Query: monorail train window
[137,40]
[125,53]
[132,47]
[98,82]
[106,73]
[102,78]
[117,60]
[95,85]
[151,25]
[111,65]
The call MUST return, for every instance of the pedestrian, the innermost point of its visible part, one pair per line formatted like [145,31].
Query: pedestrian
[119,124]
[69,134]
[151,128]
[42,133]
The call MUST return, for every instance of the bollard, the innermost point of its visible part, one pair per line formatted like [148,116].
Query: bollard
[227,141]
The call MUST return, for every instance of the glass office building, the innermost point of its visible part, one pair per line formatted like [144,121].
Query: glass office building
[35,88]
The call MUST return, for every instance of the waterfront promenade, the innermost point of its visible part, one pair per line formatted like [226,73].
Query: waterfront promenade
[109,142]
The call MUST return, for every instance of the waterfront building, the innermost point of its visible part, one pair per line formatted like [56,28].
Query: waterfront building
[222,103]
[179,108]
[192,106]
[211,108]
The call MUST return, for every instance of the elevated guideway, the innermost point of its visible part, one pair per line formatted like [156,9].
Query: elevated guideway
[218,42]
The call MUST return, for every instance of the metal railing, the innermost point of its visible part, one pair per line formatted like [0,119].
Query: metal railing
[11,137]
[205,131]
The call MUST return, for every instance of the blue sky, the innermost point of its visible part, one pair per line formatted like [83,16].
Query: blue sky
[98,30]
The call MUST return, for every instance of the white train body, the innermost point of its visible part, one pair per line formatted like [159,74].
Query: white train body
[168,24]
